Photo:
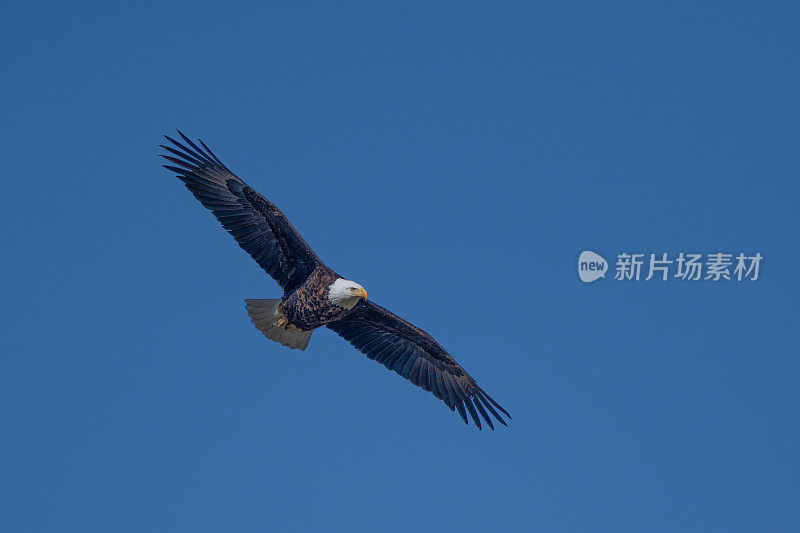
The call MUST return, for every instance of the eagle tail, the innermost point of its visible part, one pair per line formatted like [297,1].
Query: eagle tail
[268,319]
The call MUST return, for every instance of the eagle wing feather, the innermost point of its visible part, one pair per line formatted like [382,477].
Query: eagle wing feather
[401,346]
[260,228]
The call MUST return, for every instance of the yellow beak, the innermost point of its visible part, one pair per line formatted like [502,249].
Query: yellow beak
[362,293]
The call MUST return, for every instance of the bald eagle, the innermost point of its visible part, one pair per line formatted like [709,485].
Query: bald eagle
[316,296]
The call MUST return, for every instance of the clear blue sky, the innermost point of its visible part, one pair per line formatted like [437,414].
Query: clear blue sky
[455,161]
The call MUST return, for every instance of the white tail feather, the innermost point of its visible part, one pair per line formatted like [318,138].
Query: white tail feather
[268,319]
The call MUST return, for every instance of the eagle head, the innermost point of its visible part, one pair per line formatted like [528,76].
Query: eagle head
[346,293]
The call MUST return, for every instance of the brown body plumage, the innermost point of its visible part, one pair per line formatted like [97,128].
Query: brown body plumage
[309,307]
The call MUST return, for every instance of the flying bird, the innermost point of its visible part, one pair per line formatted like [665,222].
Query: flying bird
[316,296]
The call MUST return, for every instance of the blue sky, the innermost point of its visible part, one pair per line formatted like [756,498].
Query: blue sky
[455,161]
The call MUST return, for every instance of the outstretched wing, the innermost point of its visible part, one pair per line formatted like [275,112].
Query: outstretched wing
[415,355]
[257,225]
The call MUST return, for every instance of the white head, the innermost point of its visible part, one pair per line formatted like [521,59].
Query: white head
[346,293]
